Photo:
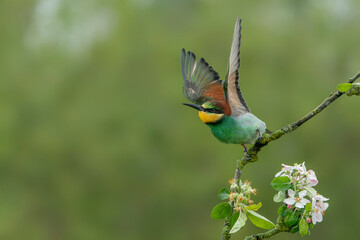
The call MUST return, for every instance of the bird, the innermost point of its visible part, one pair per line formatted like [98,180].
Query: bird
[220,103]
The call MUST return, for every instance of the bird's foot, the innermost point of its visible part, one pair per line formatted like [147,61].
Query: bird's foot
[245,148]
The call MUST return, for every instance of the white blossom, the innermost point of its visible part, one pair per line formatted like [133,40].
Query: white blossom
[300,201]
[311,177]
[299,175]
[316,215]
[287,170]
[318,208]
[301,192]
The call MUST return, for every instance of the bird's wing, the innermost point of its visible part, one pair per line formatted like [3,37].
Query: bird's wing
[201,81]
[231,83]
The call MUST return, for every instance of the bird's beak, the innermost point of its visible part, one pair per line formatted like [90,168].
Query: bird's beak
[197,107]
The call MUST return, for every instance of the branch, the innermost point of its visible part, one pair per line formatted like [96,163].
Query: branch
[267,234]
[280,227]
[252,155]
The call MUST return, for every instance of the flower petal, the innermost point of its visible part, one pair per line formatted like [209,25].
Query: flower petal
[299,205]
[304,201]
[319,217]
[313,182]
[326,205]
[314,219]
[303,166]
[321,198]
[313,201]
[302,193]
[291,193]
[289,201]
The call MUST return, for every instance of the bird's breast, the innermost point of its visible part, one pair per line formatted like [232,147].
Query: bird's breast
[242,129]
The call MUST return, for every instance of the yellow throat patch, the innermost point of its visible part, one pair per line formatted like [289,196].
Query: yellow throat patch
[209,117]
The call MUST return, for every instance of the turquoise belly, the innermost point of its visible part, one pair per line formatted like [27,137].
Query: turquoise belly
[241,130]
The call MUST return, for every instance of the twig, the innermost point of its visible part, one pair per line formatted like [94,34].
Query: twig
[226,229]
[280,227]
[264,235]
[252,154]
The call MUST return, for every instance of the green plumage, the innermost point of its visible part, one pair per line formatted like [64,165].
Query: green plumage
[238,130]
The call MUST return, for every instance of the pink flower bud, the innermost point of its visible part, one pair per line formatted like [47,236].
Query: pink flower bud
[308,220]
[288,206]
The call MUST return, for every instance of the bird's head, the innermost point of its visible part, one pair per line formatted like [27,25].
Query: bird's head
[208,112]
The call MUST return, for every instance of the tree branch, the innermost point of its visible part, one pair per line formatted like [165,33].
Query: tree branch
[252,155]
[280,227]
[264,235]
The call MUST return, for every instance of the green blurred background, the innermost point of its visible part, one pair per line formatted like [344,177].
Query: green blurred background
[94,141]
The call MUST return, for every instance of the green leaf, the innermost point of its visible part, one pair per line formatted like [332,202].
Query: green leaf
[239,223]
[343,87]
[221,211]
[224,194]
[259,221]
[279,197]
[283,210]
[303,227]
[233,219]
[311,191]
[295,229]
[291,219]
[254,207]
[308,208]
[281,183]
[311,225]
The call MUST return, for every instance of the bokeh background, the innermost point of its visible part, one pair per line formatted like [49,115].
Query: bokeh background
[94,141]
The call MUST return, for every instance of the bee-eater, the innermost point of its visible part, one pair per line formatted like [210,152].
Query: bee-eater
[220,103]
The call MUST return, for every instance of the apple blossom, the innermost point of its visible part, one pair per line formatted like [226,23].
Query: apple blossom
[311,177]
[319,207]
[304,206]
[300,201]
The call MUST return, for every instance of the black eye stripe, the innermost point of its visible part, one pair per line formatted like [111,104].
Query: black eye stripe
[212,110]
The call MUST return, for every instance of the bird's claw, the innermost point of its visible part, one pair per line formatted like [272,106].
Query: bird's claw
[245,148]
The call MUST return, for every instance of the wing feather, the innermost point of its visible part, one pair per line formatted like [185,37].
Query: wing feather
[198,77]
[234,95]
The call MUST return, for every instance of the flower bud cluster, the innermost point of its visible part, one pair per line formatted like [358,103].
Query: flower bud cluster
[298,175]
[301,194]
[240,194]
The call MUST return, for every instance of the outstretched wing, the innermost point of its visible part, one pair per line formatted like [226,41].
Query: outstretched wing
[201,81]
[231,84]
